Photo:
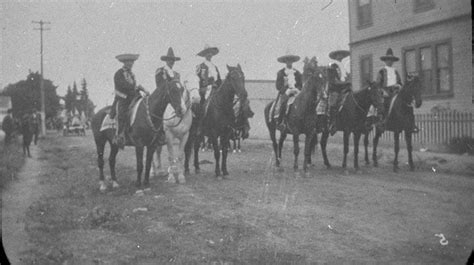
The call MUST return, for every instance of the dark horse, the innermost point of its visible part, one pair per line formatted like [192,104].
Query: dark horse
[143,132]
[399,119]
[242,126]
[353,114]
[301,116]
[219,119]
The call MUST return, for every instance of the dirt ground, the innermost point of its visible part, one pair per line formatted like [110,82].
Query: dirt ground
[257,216]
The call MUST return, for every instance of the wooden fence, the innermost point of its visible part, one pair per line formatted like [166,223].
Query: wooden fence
[439,128]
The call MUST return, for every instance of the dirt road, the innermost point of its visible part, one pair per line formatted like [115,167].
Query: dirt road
[258,216]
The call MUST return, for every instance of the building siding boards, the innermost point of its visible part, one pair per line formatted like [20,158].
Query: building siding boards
[393,16]
[366,42]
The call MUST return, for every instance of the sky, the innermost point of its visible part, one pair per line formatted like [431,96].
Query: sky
[85,36]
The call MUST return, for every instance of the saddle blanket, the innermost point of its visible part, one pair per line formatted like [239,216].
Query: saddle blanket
[108,123]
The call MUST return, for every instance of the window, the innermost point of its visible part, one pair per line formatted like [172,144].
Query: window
[432,63]
[364,13]
[423,5]
[365,70]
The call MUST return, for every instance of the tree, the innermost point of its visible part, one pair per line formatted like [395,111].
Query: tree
[68,99]
[26,95]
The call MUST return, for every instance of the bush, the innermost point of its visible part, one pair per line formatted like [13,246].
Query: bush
[462,145]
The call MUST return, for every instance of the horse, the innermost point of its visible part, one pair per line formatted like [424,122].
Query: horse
[177,128]
[219,118]
[301,116]
[398,120]
[353,114]
[28,128]
[194,140]
[143,132]
[242,126]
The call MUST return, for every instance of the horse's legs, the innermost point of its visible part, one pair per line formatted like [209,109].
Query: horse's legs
[409,150]
[225,149]
[378,133]
[100,146]
[215,145]
[187,152]
[346,148]
[296,150]
[172,168]
[112,156]
[356,149]
[139,157]
[312,147]
[396,136]
[150,151]
[197,144]
[181,153]
[157,166]
[324,142]
[280,144]
[272,131]
[366,147]
[238,145]
[307,151]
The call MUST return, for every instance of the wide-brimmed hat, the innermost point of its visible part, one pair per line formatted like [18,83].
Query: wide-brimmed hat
[127,57]
[208,50]
[288,58]
[339,55]
[389,56]
[170,56]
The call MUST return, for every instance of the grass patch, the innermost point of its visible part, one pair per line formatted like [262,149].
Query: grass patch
[11,160]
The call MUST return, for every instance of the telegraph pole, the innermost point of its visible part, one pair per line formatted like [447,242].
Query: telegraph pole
[43,109]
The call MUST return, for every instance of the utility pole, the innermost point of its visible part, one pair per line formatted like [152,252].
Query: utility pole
[43,109]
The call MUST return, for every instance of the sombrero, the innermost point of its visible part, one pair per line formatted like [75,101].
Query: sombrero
[339,55]
[288,58]
[208,50]
[170,56]
[127,57]
[389,56]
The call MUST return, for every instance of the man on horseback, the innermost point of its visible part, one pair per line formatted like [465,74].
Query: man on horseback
[209,78]
[389,80]
[288,84]
[166,73]
[126,90]
[337,87]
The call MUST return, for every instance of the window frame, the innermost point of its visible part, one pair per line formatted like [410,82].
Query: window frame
[368,57]
[419,8]
[359,22]
[434,66]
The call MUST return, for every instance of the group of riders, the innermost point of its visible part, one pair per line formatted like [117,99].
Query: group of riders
[11,125]
[288,84]
[126,88]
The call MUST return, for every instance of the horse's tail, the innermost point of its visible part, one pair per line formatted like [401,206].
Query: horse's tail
[96,121]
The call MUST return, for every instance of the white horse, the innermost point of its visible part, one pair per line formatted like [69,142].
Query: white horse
[176,129]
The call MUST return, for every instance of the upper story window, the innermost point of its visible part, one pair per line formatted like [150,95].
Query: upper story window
[365,70]
[433,64]
[364,13]
[423,5]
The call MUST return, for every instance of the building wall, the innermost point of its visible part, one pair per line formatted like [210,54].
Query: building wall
[458,32]
[392,16]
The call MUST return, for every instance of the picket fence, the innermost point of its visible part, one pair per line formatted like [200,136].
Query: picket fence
[440,128]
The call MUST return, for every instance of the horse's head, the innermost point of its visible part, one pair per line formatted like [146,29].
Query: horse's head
[177,97]
[237,80]
[413,90]
[313,76]
[375,95]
